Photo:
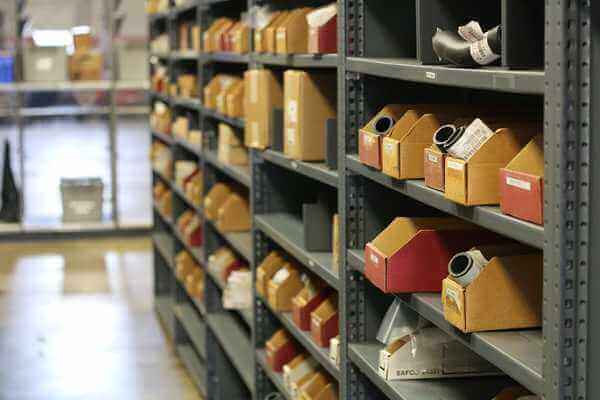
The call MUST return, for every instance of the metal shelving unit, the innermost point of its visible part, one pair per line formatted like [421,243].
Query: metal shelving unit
[556,361]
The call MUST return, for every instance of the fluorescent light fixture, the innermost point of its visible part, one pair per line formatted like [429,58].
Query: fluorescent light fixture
[52,37]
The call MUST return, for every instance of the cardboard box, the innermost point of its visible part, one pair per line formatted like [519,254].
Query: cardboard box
[194,282]
[220,36]
[230,149]
[214,199]
[370,136]
[283,286]
[184,264]
[234,214]
[507,294]
[309,101]
[180,127]
[208,37]
[434,165]
[291,37]
[297,372]
[193,232]
[222,260]
[188,85]
[218,84]
[234,91]
[83,42]
[263,93]
[86,66]
[411,255]
[260,37]
[234,101]
[239,37]
[265,271]
[318,387]
[324,321]
[476,181]
[196,36]
[270,32]
[281,349]
[160,119]
[184,36]
[522,183]
[430,354]
[306,301]
[322,30]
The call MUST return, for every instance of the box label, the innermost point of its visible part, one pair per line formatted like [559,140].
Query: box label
[518,183]
[388,147]
[455,165]
[475,135]
[290,136]
[374,259]
[432,158]
[254,89]
[292,111]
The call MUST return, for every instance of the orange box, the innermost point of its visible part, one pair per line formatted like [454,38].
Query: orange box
[291,37]
[434,164]
[270,32]
[281,349]
[306,301]
[283,286]
[322,30]
[234,214]
[265,271]
[214,199]
[324,321]
[262,94]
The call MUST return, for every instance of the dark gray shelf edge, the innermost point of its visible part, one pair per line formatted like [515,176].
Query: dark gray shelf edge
[163,305]
[228,345]
[185,56]
[192,364]
[167,139]
[225,57]
[489,217]
[329,177]
[517,370]
[321,354]
[297,60]
[232,240]
[194,104]
[160,96]
[164,253]
[356,259]
[185,314]
[297,251]
[184,198]
[236,122]
[275,377]
[231,171]
[189,147]
[497,79]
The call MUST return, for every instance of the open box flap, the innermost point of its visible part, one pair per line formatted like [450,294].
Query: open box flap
[530,160]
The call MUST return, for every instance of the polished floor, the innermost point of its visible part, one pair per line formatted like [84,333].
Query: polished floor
[77,323]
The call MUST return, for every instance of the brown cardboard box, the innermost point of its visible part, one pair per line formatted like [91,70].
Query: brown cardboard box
[318,388]
[214,199]
[291,37]
[262,94]
[230,149]
[234,214]
[280,349]
[324,321]
[507,294]
[307,300]
[216,85]
[240,38]
[220,34]
[160,119]
[194,282]
[208,36]
[188,85]
[184,36]
[322,30]
[270,33]
[265,271]
[283,286]
[83,42]
[235,101]
[184,264]
[434,165]
[196,36]
[180,127]
[260,41]
[522,183]
[233,89]
[476,181]
[309,101]
[86,66]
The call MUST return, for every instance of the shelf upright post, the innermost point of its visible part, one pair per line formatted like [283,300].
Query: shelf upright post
[18,78]
[110,11]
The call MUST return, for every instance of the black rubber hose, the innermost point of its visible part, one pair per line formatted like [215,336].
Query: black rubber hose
[383,124]
[446,136]
[450,47]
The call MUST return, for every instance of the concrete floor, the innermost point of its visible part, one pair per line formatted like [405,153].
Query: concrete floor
[77,323]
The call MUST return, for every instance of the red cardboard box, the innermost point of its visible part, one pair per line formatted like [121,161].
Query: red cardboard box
[306,301]
[281,349]
[324,321]
[322,30]
[522,183]
[412,254]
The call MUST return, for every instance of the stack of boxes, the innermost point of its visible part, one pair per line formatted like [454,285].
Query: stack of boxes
[86,64]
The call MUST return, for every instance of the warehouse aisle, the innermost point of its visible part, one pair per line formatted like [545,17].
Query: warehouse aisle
[77,322]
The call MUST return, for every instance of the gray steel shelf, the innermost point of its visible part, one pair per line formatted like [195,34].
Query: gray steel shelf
[160,96]
[275,377]
[193,325]
[167,139]
[237,122]
[166,219]
[162,177]
[297,60]
[288,232]
[365,356]
[246,314]
[225,57]
[188,102]
[489,217]
[194,366]
[490,78]
[164,309]
[356,259]
[235,343]
[196,150]
[196,252]
[240,173]
[177,190]
[164,246]
[518,353]
[240,241]
[314,170]
[185,55]
[321,354]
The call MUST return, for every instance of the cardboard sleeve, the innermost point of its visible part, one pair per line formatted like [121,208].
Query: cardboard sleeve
[262,94]
[411,255]
[280,294]
[208,37]
[214,199]
[234,214]
[265,271]
[227,87]
[230,149]
[280,349]
[194,282]
[239,38]
[476,181]
[260,44]
[434,164]
[522,183]
[298,371]
[270,39]
[324,321]
[507,294]
[322,35]
[291,37]
[318,387]
[184,264]
[305,302]
[234,101]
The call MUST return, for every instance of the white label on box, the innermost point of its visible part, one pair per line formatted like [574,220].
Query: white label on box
[254,89]
[452,296]
[290,136]
[431,75]
[475,135]
[280,35]
[280,276]
[292,110]
[455,165]
[368,140]
[518,183]
[388,147]
[433,158]
[374,258]
[44,64]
